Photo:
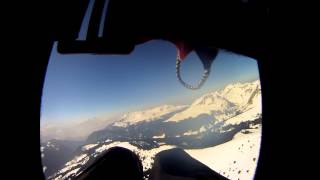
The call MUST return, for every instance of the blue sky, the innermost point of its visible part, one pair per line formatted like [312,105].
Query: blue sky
[83,86]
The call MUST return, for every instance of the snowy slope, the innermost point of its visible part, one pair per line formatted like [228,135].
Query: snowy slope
[147,115]
[235,159]
[223,104]
[252,113]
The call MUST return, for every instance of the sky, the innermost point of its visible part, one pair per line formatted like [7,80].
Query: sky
[83,86]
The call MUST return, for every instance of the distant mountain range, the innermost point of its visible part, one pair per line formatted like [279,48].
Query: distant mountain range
[213,119]
[66,130]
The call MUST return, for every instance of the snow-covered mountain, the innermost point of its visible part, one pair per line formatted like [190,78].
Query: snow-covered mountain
[227,118]
[147,115]
[223,104]
[241,94]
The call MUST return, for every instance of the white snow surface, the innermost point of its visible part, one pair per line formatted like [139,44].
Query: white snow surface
[74,171]
[88,147]
[159,137]
[233,159]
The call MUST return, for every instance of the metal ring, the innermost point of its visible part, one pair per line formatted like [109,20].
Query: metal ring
[204,77]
